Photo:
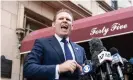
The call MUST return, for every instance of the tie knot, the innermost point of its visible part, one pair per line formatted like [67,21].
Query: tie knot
[64,40]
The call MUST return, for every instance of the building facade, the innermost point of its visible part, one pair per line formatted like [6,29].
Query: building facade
[19,18]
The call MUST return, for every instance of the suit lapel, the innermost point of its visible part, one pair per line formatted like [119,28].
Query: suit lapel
[55,44]
[75,49]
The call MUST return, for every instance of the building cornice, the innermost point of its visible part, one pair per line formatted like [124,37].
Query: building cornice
[78,11]
[105,5]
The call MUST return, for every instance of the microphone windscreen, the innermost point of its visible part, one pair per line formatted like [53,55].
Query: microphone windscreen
[94,59]
[96,45]
[113,50]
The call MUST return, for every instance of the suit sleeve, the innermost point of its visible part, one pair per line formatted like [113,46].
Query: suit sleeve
[32,65]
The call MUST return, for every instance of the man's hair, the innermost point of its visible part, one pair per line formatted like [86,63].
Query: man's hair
[62,10]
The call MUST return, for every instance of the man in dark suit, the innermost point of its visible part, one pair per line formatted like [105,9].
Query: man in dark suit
[56,57]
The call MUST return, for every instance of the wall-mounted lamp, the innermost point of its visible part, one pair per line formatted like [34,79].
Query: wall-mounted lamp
[20,34]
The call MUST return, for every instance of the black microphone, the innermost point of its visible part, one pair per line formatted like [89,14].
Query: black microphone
[101,58]
[88,71]
[117,61]
[87,68]
[128,67]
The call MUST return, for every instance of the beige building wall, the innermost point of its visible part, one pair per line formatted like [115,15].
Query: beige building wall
[124,3]
[121,3]
[108,2]
[9,41]
[85,3]
[11,18]
[91,5]
[96,10]
[40,8]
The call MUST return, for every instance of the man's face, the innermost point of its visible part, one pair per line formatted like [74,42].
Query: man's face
[63,24]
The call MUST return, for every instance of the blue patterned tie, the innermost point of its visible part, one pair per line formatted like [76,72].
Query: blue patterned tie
[66,49]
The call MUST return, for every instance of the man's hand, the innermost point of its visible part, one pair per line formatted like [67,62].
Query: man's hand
[69,65]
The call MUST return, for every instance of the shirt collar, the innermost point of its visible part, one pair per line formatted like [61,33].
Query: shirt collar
[59,38]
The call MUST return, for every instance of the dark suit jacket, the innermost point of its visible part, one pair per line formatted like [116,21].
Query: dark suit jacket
[40,63]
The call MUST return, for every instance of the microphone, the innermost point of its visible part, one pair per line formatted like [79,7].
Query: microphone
[131,60]
[117,61]
[87,68]
[100,57]
[87,71]
[128,67]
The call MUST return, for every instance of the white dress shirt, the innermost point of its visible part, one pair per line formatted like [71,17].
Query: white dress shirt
[62,46]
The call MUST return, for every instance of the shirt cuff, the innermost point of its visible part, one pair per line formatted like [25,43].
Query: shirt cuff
[57,72]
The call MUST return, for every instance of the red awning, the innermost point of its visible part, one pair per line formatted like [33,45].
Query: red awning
[112,23]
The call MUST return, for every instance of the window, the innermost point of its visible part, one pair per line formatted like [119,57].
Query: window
[114,4]
[34,21]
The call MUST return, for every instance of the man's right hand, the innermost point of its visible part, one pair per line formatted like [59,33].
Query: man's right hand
[69,65]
